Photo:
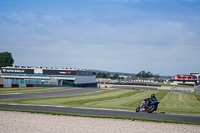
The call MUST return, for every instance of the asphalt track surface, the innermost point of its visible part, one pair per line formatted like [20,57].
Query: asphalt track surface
[89,111]
[135,88]
[105,112]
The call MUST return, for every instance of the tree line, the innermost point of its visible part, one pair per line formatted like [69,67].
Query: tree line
[108,75]
[142,74]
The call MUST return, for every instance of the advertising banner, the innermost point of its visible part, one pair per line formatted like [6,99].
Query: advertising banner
[20,71]
[58,72]
[46,72]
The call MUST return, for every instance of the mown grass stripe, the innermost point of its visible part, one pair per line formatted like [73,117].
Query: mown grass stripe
[170,102]
[57,100]
[32,89]
[101,99]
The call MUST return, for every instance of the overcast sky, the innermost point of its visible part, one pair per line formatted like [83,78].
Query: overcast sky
[160,36]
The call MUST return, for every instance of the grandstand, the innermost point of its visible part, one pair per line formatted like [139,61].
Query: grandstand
[22,76]
[193,78]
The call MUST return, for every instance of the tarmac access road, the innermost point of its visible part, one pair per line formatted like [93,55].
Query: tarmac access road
[105,112]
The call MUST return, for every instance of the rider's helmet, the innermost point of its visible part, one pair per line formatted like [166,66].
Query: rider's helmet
[153,95]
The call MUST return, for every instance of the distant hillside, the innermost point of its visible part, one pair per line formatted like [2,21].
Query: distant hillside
[112,73]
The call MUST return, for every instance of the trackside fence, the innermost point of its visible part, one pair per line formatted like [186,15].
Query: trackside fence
[197,89]
[180,89]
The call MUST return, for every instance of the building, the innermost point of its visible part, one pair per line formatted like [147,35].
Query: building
[21,76]
[192,78]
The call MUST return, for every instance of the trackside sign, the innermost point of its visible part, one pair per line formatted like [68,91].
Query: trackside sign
[65,72]
[22,71]
[13,71]
[46,72]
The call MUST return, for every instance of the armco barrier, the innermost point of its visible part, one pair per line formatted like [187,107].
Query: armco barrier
[1,86]
[15,85]
[139,83]
[29,85]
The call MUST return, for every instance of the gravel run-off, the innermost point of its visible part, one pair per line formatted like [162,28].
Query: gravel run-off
[21,122]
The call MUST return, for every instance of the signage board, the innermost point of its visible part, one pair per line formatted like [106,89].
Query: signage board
[59,72]
[46,71]
[20,71]
[38,70]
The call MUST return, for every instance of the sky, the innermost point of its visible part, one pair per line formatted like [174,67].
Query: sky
[160,36]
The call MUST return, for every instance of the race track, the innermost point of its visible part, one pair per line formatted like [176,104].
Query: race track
[50,94]
[89,111]
[105,112]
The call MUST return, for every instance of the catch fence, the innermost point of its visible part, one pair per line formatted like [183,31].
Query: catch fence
[195,90]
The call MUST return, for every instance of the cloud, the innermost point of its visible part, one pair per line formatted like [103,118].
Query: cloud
[116,41]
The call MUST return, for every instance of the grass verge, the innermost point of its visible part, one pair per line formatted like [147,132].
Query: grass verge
[170,102]
[32,89]
[99,116]
[181,86]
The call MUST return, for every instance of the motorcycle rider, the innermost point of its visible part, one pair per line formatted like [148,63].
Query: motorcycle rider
[148,100]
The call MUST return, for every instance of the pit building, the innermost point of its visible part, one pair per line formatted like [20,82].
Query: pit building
[21,76]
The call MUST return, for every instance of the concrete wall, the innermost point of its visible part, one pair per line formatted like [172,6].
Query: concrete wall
[85,79]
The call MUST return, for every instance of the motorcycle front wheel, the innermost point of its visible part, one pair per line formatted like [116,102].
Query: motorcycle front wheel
[151,108]
[138,109]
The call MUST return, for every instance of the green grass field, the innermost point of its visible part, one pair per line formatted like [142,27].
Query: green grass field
[181,86]
[170,102]
[31,89]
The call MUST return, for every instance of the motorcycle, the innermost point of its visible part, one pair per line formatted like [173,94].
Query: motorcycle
[149,108]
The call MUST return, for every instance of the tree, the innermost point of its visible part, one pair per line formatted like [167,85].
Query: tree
[116,76]
[144,74]
[102,75]
[99,75]
[141,74]
[6,59]
[156,77]
[149,75]
[108,75]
